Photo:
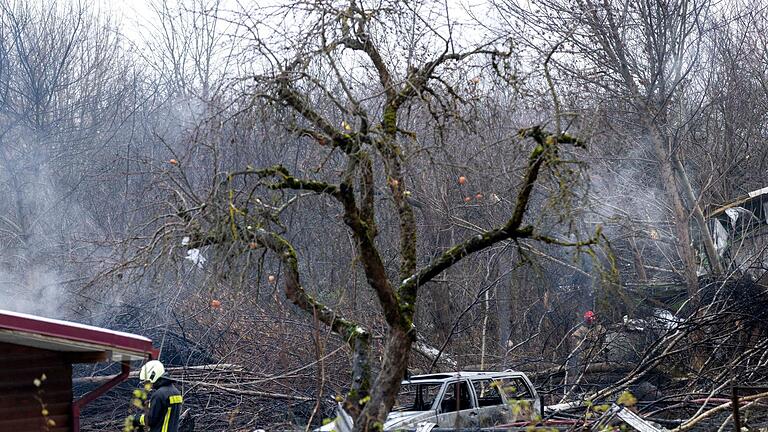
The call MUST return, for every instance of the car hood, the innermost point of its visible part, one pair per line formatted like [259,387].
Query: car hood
[394,420]
[404,418]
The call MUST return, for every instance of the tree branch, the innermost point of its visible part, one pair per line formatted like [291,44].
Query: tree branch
[287,94]
[357,337]
[513,229]
[287,181]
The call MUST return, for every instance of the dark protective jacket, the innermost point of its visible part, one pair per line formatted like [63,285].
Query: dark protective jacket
[164,408]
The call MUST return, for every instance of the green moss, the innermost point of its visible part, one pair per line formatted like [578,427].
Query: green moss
[407,310]
[390,120]
[537,151]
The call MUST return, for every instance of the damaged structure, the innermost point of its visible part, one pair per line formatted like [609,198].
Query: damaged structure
[36,358]
[738,230]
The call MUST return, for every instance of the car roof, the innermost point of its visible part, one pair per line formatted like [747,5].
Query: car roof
[441,377]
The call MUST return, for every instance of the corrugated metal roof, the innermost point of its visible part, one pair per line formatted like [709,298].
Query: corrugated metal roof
[66,336]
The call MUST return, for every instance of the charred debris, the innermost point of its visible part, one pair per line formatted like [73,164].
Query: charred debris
[688,363]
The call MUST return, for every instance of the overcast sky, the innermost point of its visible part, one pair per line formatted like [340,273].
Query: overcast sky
[136,15]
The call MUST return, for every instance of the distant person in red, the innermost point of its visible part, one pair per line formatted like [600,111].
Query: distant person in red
[589,317]
[162,413]
[586,333]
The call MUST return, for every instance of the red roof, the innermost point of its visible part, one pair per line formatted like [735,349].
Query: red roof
[66,336]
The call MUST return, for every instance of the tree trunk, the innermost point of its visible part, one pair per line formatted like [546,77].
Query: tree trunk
[387,384]
[706,236]
[504,310]
[680,223]
[642,276]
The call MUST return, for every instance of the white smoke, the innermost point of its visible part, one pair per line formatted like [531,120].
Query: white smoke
[36,291]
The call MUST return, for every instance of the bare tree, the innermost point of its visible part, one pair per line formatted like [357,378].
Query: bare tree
[642,57]
[340,86]
[60,105]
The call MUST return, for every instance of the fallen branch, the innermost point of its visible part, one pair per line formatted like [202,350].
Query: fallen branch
[223,367]
[709,413]
[253,392]
[433,354]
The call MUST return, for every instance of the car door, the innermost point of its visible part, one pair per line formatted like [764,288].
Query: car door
[518,396]
[415,404]
[457,406]
[492,409]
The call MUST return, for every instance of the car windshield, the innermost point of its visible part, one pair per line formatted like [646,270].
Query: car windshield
[416,397]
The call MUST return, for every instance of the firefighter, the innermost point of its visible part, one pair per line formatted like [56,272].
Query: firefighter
[162,413]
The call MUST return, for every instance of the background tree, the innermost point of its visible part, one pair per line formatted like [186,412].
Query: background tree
[639,61]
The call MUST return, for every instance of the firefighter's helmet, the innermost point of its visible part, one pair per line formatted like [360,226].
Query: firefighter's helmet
[151,371]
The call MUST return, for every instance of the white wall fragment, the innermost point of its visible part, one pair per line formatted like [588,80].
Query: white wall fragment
[721,237]
[196,257]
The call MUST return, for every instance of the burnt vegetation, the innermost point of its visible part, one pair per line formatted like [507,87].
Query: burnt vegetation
[308,201]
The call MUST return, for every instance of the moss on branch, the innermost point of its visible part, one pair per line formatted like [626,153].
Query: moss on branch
[546,147]
[287,181]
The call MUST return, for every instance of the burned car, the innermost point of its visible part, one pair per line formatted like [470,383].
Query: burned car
[460,399]
[464,399]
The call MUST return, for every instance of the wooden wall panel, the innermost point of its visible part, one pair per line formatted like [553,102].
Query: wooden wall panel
[20,402]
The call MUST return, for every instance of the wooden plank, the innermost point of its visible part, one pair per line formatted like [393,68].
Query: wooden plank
[32,424]
[31,362]
[20,411]
[34,411]
[53,396]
